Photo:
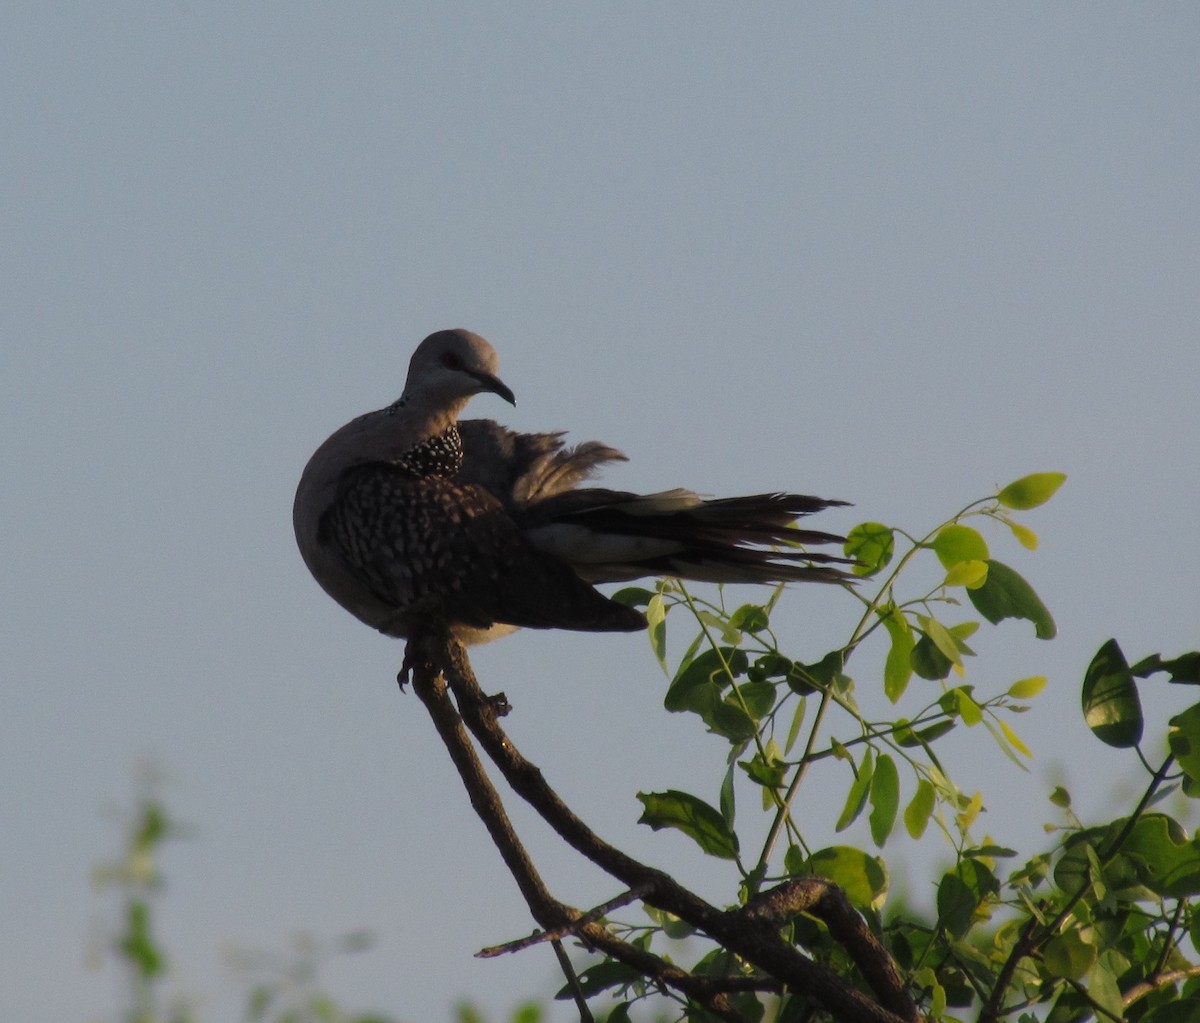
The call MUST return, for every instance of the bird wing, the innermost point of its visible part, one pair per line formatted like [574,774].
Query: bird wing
[437,547]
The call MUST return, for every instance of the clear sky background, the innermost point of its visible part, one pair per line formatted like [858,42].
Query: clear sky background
[897,255]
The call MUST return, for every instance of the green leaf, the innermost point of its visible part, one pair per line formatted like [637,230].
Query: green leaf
[601,977]
[797,723]
[1005,594]
[1186,1010]
[1183,738]
[863,878]
[957,543]
[1165,859]
[928,661]
[969,574]
[960,701]
[909,737]
[1185,668]
[941,638]
[1026,537]
[897,668]
[656,621]
[707,674]
[1103,989]
[633,596]
[885,798]
[726,799]
[856,798]
[920,809]
[750,618]
[870,544]
[694,817]
[759,698]
[1027,687]
[961,892]
[1031,491]
[1060,797]
[768,774]
[1068,955]
[1111,706]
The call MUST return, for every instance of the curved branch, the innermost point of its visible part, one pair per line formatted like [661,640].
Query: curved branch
[752,935]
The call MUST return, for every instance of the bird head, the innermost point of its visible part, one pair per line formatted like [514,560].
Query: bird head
[450,366]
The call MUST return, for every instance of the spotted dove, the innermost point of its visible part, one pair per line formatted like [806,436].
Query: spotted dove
[406,516]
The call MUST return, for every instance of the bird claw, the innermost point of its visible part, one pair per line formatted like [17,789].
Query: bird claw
[404,676]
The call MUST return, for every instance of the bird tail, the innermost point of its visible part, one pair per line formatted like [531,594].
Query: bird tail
[612,536]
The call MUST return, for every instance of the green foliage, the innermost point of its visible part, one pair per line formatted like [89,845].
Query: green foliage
[1100,923]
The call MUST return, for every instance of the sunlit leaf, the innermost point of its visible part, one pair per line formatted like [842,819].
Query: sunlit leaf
[863,878]
[870,544]
[691,815]
[941,638]
[897,668]
[957,543]
[656,619]
[797,723]
[1026,537]
[971,574]
[1111,706]
[1013,738]
[1027,687]
[1031,491]
[919,809]
[1005,594]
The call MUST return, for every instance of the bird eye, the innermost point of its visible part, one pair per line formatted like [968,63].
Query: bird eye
[451,361]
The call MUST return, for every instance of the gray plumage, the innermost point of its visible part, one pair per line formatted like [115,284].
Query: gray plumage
[407,516]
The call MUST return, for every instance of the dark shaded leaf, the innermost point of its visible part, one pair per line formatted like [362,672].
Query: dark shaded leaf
[1110,701]
[706,671]
[1183,669]
[691,815]
[633,596]
[928,661]
[599,978]
[1183,737]
[1005,594]
[885,798]
[856,798]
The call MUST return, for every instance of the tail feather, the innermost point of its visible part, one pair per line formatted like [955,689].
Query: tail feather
[611,536]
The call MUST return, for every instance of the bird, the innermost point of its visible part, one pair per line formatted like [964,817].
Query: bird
[410,518]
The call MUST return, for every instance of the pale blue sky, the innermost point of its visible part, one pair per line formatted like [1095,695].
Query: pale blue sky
[891,254]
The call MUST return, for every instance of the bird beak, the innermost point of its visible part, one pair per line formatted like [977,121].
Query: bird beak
[487,382]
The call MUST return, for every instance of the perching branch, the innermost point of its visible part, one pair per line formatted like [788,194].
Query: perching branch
[751,932]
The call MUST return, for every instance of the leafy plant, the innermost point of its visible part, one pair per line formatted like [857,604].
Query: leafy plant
[1101,923]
